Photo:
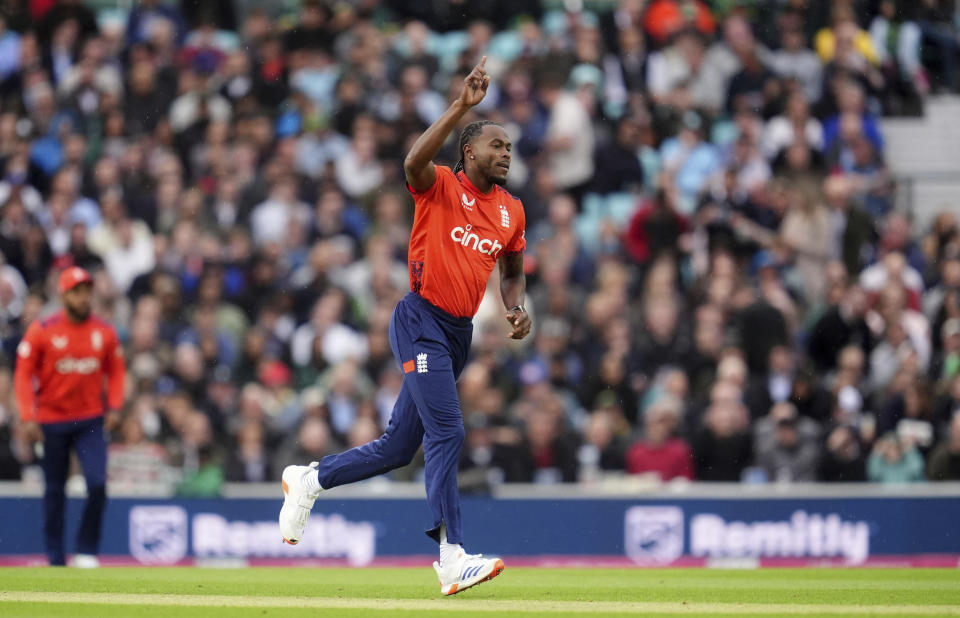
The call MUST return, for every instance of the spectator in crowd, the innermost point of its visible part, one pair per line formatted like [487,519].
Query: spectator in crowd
[661,451]
[936,21]
[667,17]
[618,165]
[828,40]
[491,454]
[311,441]
[200,458]
[892,462]
[146,16]
[675,76]
[806,232]
[136,464]
[570,136]
[896,38]
[944,462]
[794,60]
[722,446]
[550,451]
[947,279]
[754,87]
[612,380]
[9,462]
[774,386]
[759,326]
[689,161]
[909,416]
[947,364]
[603,447]
[723,59]
[793,126]
[787,445]
[656,228]
[843,460]
[851,104]
[249,462]
[842,325]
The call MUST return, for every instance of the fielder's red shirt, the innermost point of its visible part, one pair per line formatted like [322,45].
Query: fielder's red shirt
[62,368]
[458,235]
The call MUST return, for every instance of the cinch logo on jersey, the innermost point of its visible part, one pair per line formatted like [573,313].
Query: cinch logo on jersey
[83,366]
[463,236]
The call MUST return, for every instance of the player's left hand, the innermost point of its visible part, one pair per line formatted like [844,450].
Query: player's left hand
[31,432]
[520,321]
[111,420]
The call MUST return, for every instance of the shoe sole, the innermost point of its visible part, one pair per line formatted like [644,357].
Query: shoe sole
[498,568]
[286,492]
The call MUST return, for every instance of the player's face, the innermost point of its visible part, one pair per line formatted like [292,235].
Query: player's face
[77,301]
[492,150]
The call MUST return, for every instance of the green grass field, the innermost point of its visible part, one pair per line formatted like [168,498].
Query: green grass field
[276,592]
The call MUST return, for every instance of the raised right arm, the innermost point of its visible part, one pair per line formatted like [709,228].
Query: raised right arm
[418,165]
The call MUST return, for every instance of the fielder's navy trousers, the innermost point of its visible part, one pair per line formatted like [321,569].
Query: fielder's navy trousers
[87,439]
[431,347]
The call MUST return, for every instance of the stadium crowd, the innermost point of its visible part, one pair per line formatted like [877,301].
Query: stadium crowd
[721,286]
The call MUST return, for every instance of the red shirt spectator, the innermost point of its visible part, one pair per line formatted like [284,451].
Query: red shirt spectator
[659,450]
[667,17]
[670,459]
[655,228]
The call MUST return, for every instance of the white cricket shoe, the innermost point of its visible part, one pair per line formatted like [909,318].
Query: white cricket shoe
[466,571]
[86,561]
[297,502]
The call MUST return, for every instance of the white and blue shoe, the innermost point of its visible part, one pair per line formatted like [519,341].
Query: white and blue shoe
[297,502]
[85,561]
[467,571]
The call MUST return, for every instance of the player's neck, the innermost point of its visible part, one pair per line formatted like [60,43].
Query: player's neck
[479,183]
[74,319]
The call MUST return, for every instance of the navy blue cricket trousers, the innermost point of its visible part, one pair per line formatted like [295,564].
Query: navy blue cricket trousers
[431,347]
[86,437]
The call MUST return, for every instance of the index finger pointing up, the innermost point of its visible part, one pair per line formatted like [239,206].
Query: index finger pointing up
[483,61]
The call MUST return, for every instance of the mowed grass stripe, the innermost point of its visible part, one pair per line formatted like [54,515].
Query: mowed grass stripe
[226,582]
[76,610]
[461,605]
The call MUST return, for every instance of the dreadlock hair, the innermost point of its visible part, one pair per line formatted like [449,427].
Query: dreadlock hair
[469,132]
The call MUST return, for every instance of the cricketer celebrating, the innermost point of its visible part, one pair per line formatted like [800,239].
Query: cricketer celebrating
[464,224]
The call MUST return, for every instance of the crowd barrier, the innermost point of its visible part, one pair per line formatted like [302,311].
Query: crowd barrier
[726,525]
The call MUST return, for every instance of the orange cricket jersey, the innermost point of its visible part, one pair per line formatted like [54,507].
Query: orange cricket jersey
[62,368]
[458,235]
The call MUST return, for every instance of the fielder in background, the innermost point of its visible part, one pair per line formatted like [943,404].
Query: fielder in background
[66,366]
